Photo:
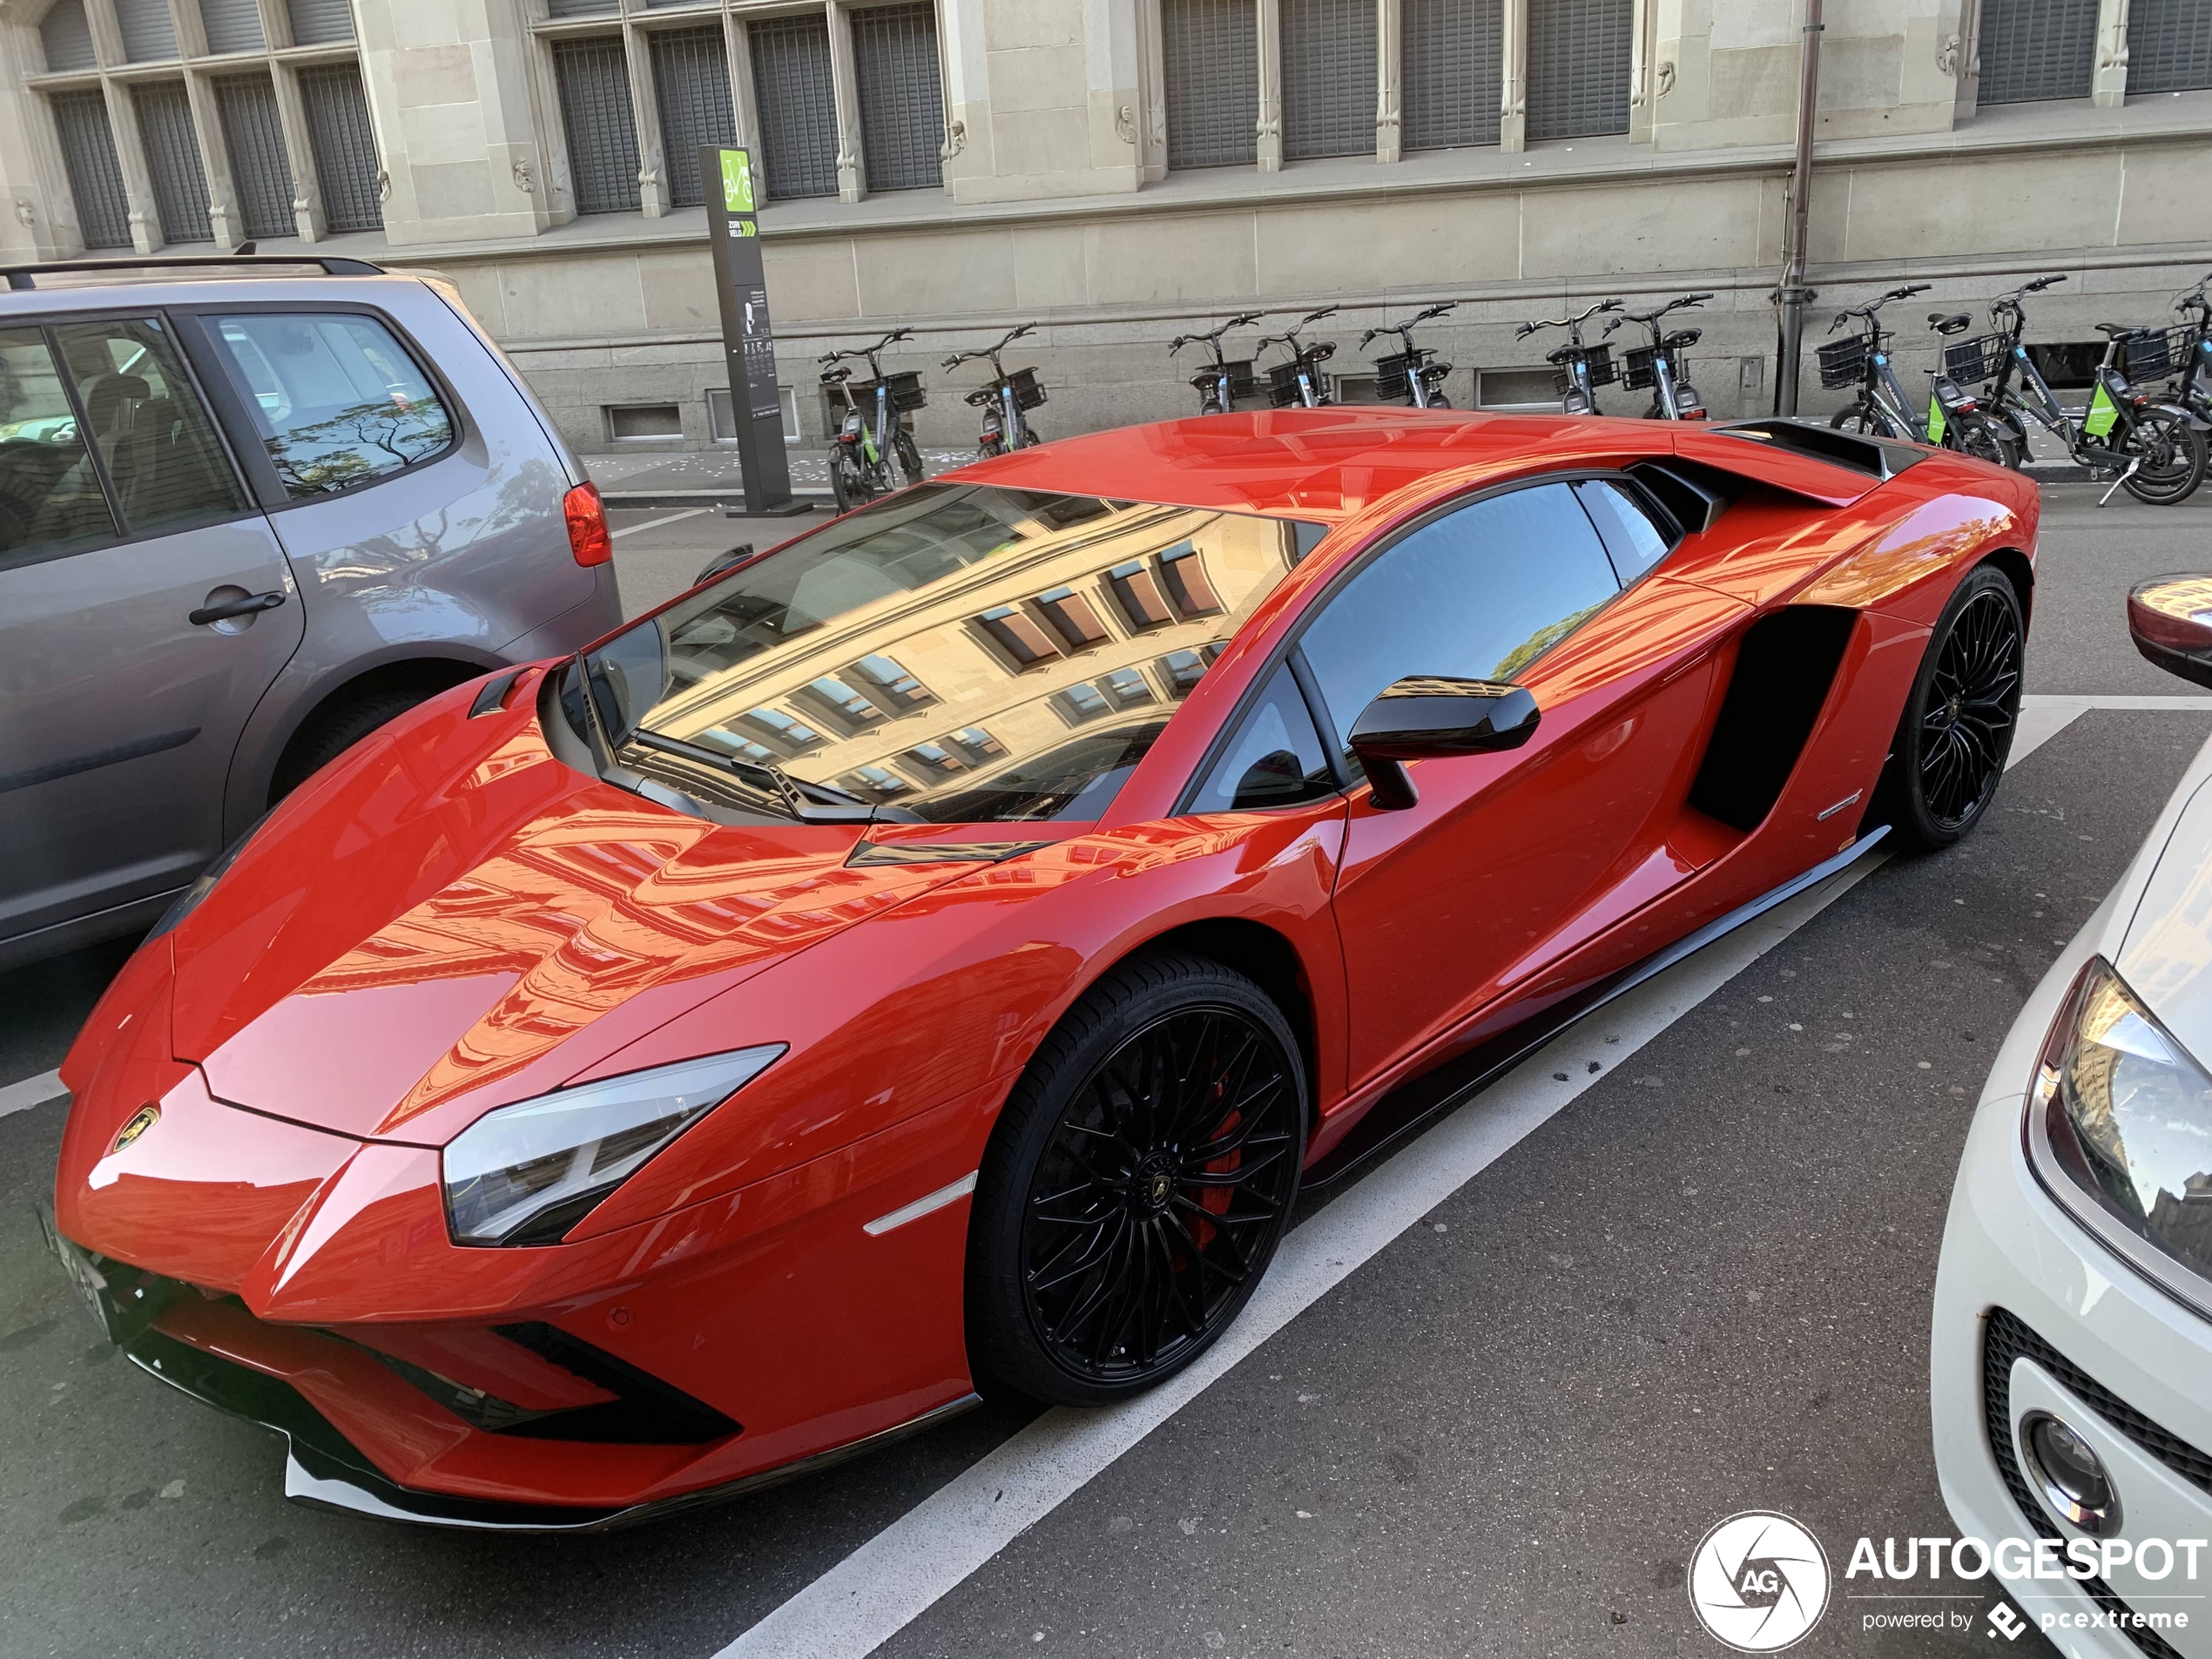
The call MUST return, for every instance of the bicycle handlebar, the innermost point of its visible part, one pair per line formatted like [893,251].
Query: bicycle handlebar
[865,351]
[991,351]
[1528,328]
[1181,340]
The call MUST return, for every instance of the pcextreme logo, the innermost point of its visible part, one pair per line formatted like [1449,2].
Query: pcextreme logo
[1758,1581]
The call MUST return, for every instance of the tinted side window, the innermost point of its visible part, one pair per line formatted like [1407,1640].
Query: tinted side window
[1275,759]
[51,499]
[337,399]
[1634,541]
[162,457]
[1480,594]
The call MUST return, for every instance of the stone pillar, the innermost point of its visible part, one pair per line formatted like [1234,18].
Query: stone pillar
[653,198]
[1513,107]
[1152,86]
[1389,52]
[448,90]
[34,186]
[226,217]
[851,167]
[2109,81]
[1960,57]
[1270,86]
[1641,31]
[299,154]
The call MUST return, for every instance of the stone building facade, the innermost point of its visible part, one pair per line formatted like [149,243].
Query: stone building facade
[1121,172]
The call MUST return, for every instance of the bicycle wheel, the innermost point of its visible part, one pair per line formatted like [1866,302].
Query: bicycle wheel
[1863,418]
[2013,430]
[909,455]
[2173,458]
[1030,438]
[840,492]
[1984,441]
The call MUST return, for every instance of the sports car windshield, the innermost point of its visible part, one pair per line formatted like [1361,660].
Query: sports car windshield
[955,654]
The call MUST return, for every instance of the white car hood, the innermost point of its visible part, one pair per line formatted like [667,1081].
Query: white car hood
[2164,944]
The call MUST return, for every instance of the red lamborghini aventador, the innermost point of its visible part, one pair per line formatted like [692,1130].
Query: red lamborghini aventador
[939,953]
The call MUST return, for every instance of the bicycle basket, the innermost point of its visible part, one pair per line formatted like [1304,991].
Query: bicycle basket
[1026,393]
[2156,353]
[1603,370]
[1638,367]
[1843,362]
[1978,359]
[1282,384]
[1393,374]
[906,391]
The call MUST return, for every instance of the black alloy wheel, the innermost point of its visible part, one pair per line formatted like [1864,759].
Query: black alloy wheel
[1949,749]
[1136,1185]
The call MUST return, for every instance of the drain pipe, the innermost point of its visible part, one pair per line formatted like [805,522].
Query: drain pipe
[1793,296]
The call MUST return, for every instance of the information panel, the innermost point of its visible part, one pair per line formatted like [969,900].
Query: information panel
[748,335]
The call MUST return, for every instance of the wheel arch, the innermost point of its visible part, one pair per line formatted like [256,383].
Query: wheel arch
[1261,953]
[429,674]
[2015,567]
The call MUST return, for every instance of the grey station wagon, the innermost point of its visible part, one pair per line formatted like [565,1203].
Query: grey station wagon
[249,511]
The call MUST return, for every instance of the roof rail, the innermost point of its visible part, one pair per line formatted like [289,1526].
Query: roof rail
[25,276]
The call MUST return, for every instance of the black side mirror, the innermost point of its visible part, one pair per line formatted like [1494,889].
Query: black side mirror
[722,562]
[1434,715]
[2170,618]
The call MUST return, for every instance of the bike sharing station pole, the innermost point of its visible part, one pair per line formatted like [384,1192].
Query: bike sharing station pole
[748,338]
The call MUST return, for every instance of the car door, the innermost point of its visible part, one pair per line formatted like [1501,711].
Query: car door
[1508,859]
[144,607]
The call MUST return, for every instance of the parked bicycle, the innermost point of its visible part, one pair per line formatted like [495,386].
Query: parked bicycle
[2189,348]
[873,429]
[1883,409]
[2150,442]
[1006,400]
[1299,380]
[1578,369]
[1411,372]
[1225,379]
[1659,364]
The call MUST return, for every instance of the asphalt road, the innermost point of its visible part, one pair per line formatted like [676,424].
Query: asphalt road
[1702,1286]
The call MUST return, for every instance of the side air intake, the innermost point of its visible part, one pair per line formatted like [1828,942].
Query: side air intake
[1784,667]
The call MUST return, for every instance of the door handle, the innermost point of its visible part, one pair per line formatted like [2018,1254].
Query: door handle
[230,608]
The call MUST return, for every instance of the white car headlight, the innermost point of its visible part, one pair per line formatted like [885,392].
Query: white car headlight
[525,1173]
[2125,1115]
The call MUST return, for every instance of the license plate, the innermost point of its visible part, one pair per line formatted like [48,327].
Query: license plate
[91,1284]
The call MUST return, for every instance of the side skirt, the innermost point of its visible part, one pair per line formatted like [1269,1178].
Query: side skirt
[1415,1103]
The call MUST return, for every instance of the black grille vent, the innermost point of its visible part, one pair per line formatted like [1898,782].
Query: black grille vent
[2005,1339]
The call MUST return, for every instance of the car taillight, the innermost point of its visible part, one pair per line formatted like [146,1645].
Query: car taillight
[587,516]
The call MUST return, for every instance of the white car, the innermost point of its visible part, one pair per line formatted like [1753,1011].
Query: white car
[2072,1355]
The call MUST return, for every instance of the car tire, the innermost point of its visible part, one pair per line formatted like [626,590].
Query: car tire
[333,733]
[1090,1185]
[1948,756]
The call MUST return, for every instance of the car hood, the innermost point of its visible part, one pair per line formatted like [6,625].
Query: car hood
[451,919]
[2166,952]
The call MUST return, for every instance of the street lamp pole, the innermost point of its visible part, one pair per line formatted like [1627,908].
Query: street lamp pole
[1793,296]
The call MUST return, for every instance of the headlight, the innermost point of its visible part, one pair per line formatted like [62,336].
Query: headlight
[2125,1115]
[527,1173]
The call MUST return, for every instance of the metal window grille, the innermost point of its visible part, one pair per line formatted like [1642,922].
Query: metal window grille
[345,146]
[791,81]
[1578,67]
[901,95]
[559,8]
[1452,72]
[2036,49]
[596,113]
[1328,78]
[232,26]
[691,81]
[149,32]
[1209,50]
[2169,45]
[255,136]
[173,160]
[67,37]
[95,177]
[320,22]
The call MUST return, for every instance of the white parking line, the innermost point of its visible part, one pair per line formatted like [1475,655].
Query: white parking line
[2044,716]
[31,1091]
[655,523]
[893,1579]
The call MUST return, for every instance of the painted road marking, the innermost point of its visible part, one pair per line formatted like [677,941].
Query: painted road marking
[31,1091]
[655,523]
[900,1573]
